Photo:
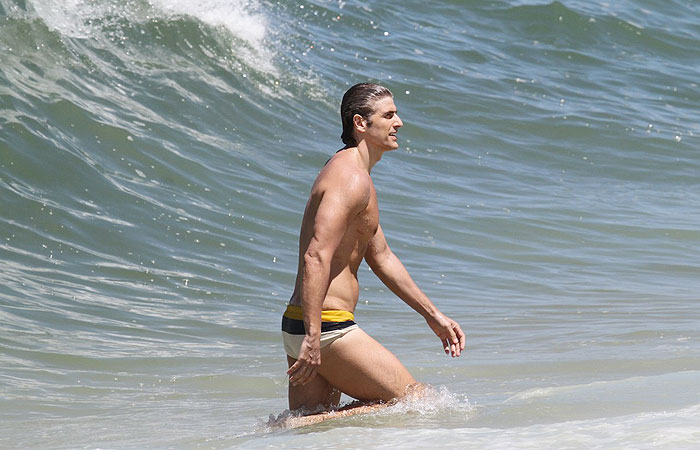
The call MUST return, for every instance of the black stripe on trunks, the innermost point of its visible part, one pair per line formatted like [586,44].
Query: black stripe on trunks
[294,326]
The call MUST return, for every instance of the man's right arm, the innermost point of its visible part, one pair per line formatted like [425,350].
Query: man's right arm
[344,198]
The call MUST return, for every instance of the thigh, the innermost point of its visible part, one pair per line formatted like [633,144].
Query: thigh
[364,369]
[315,393]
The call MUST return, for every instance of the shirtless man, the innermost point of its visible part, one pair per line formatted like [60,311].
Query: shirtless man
[327,352]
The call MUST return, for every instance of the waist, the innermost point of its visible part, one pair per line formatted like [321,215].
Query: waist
[331,320]
[330,315]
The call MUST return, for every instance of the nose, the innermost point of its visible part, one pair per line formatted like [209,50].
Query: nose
[398,123]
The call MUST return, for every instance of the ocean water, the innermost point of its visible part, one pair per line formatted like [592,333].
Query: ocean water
[155,158]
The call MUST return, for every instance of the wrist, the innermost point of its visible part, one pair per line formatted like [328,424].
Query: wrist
[430,312]
[313,334]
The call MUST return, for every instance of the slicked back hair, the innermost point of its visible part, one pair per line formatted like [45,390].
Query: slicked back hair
[359,99]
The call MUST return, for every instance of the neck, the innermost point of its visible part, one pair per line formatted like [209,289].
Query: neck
[368,156]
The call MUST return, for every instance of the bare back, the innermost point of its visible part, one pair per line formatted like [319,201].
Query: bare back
[344,181]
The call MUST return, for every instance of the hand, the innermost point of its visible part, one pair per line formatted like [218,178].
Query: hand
[306,366]
[449,332]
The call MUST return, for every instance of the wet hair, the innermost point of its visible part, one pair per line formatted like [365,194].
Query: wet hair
[359,99]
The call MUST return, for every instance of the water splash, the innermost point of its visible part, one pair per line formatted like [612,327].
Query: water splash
[426,401]
[241,19]
[242,26]
[82,18]
[429,401]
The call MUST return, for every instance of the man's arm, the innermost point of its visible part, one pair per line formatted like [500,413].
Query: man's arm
[394,275]
[340,202]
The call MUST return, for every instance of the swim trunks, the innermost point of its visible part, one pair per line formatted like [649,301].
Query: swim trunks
[334,325]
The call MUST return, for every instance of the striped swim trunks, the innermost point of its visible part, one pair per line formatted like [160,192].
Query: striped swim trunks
[334,325]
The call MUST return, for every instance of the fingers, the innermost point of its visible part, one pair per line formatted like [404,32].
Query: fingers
[458,341]
[454,349]
[450,348]
[455,341]
[300,373]
[460,335]
[293,368]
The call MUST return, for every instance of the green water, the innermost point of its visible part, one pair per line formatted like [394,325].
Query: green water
[155,158]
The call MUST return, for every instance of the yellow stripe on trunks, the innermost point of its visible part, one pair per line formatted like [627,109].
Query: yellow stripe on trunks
[330,315]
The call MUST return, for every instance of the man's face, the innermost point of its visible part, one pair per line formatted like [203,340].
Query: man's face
[384,123]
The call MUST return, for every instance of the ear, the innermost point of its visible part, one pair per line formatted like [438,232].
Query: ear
[359,123]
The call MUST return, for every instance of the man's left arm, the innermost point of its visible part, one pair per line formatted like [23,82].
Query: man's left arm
[394,275]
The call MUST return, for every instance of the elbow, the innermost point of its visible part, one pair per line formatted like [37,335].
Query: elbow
[315,259]
[371,262]
[377,262]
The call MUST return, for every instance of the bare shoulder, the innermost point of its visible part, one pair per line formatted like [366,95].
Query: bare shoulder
[342,176]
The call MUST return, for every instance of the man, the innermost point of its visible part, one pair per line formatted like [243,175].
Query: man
[327,352]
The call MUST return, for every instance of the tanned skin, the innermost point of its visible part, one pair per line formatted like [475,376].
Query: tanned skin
[339,229]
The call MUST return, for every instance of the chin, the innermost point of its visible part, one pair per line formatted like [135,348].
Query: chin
[392,145]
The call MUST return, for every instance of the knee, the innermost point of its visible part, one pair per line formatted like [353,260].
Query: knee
[415,389]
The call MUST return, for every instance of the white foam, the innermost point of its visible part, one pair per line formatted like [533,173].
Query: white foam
[652,430]
[429,401]
[75,18]
[69,17]
[237,16]
[244,21]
